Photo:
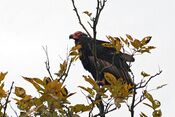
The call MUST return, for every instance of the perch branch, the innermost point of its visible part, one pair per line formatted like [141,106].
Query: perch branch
[7,99]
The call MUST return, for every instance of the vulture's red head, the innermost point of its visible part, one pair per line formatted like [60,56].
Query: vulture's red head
[77,35]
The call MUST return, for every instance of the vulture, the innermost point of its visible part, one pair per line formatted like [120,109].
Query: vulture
[107,58]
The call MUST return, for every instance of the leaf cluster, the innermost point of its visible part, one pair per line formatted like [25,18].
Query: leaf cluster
[136,45]
[155,105]
[53,98]
[3,93]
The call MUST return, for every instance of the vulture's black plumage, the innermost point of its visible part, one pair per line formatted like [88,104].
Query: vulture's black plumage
[108,59]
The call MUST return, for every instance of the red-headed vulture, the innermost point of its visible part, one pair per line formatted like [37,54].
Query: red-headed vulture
[108,60]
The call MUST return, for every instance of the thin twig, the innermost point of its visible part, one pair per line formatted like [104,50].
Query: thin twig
[131,109]
[100,114]
[47,62]
[79,18]
[99,8]
[13,110]
[142,97]
[108,105]
[142,86]
[7,99]
[67,71]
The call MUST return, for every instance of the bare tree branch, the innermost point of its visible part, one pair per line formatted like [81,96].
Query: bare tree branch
[7,99]
[99,8]
[142,97]
[47,62]
[131,108]
[65,74]
[79,18]
[101,114]
[146,83]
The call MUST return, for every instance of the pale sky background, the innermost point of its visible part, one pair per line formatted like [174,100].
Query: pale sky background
[27,25]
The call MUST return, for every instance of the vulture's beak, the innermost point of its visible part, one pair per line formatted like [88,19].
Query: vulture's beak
[71,36]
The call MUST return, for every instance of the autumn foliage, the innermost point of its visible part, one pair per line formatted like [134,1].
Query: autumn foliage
[54,97]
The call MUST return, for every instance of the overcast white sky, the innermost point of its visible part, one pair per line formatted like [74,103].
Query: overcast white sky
[27,25]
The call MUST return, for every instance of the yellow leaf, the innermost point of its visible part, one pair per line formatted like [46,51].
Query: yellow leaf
[80,108]
[92,82]
[46,80]
[87,13]
[117,44]
[108,45]
[2,92]
[76,47]
[73,53]
[110,78]
[129,37]
[63,68]
[144,74]
[156,104]
[2,76]
[136,44]
[151,47]
[157,113]
[64,91]
[55,89]
[37,86]
[148,96]
[20,92]
[89,90]
[39,81]
[110,38]
[125,41]
[114,43]
[146,40]
[27,98]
